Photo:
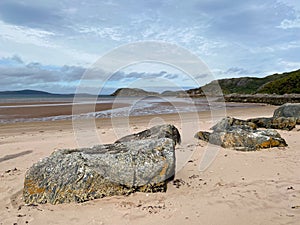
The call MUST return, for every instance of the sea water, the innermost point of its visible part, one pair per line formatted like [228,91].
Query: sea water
[135,106]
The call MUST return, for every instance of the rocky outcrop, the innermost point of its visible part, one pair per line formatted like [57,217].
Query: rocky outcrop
[243,138]
[133,92]
[156,132]
[241,135]
[174,93]
[262,98]
[288,110]
[145,163]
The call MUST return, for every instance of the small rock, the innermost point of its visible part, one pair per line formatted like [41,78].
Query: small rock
[194,176]
[21,215]
[178,182]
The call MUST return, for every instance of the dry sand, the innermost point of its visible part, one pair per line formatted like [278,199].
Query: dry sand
[261,187]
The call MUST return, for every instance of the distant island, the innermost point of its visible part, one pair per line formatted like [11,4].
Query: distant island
[133,92]
[27,93]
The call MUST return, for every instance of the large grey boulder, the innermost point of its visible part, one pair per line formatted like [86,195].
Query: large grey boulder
[243,138]
[115,169]
[159,131]
[283,123]
[288,110]
[243,134]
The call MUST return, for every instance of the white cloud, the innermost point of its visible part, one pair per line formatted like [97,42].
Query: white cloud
[292,3]
[289,65]
[113,33]
[276,47]
[77,57]
[25,35]
[290,24]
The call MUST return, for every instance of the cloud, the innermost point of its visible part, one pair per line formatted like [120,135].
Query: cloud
[237,70]
[131,76]
[35,74]
[31,15]
[112,33]
[15,74]
[289,65]
[11,61]
[232,37]
[203,75]
[290,24]
[171,76]
[248,20]
[25,35]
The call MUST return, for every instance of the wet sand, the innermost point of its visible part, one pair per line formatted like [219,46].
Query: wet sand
[33,110]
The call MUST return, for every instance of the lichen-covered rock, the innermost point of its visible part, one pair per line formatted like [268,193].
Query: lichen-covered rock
[228,122]
[288,110]
[202,135]
[159,131]
[283,123]
[116,169]
[243,139]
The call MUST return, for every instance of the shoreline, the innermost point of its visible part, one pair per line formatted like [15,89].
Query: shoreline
[106,122]
[37,112]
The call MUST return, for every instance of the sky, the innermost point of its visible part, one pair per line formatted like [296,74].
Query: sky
[48,45]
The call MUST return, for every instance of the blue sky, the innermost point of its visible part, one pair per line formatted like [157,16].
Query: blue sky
[47,45]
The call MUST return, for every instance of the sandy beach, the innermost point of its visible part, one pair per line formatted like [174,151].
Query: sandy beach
[261,187]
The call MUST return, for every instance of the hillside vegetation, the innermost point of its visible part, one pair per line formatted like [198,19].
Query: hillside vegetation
[288,84]
[285,83]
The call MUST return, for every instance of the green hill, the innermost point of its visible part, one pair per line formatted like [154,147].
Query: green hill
[285,83]
[288,84]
